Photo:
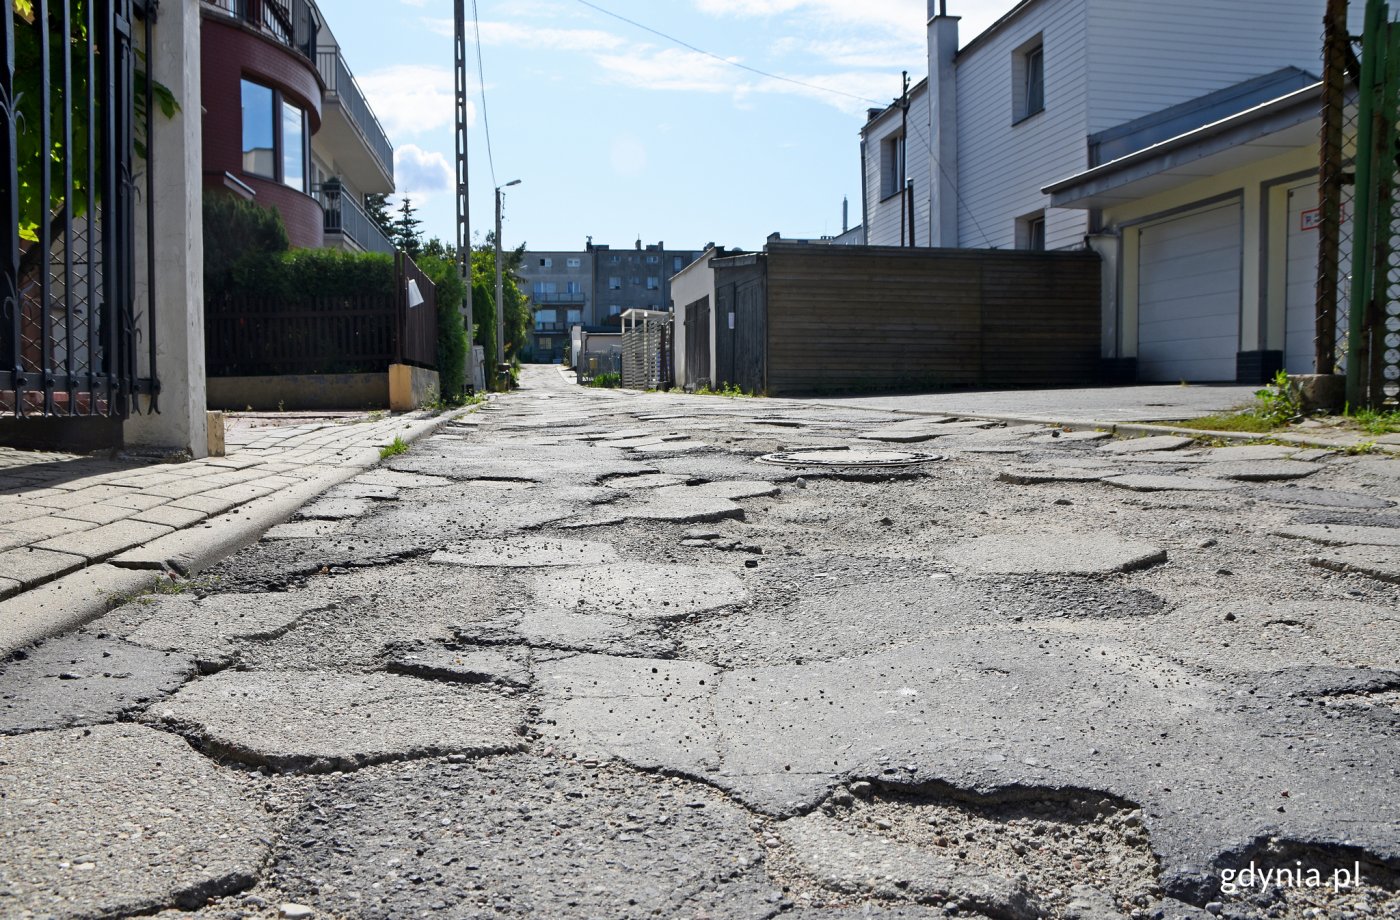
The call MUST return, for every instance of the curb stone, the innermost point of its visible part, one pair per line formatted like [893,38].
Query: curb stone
[65,603]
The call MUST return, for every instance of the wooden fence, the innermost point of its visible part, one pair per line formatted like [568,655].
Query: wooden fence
[255,335]
[804,319]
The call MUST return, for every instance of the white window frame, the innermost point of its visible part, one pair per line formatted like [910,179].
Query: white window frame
[892,155]
[1028,80]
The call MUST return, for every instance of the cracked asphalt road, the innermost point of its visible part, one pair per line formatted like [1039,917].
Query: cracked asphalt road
[581,655]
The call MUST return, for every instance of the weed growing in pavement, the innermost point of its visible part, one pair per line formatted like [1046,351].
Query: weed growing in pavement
[728,391]
[606,381]
[393,448]
[171,585]
[1376,421]
[1365,447]
[438,405]
[1278,402]
[1275,406]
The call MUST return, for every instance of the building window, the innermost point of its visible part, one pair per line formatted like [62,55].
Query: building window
[677,263]
[614,283]
[546,263]
[1030,232]
[575,317]
[574,287]
[293,147]
[1028,76]
[613,259]
[545,343]
[275,139]
[575,263]
[891,165]
[652,260]
[614,309]
[544,318]
[653,283]
[259,131]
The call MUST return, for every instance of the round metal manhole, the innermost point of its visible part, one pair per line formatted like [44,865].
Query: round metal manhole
[867,459]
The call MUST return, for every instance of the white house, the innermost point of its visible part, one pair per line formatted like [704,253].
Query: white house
[1012,139]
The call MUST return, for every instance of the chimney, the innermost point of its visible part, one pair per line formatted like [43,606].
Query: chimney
[942,122]
[845,213]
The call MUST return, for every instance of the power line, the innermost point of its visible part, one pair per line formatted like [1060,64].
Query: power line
[928,145]
[725,60]
[481,73]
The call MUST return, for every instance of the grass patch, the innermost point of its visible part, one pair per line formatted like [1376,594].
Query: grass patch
[1374,421]
[1275,406]
[605,381]
[1242,421]
[393,448]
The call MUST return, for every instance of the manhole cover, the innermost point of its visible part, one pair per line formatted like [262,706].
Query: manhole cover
[847,458]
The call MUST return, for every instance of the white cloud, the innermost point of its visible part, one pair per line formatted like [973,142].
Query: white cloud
[420,173]
[880,54]
[509,33]
[670,69]
[412,99]
[898,18]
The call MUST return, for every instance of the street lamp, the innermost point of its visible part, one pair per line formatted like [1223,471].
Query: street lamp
[500,293]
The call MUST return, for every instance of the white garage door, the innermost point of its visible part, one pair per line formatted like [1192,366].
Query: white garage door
[1189,296]
[1300,313]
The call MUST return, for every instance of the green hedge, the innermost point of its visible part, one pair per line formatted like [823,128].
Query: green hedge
[315,274]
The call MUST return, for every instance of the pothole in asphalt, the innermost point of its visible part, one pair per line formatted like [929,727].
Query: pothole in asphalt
[853,458]
[1035,853]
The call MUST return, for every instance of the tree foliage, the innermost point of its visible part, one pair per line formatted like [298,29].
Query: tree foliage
[406,236]
[236,232]
[441,269]
[517,314]
[377,208]
[31,36]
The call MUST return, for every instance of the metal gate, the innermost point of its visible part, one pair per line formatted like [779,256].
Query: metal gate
[75,110]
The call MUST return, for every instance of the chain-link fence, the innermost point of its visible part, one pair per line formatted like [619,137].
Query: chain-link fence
[1358,288]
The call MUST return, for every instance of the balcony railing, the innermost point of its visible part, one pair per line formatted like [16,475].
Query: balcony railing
[340,84]
[346,218]
[560,298]
[293,23]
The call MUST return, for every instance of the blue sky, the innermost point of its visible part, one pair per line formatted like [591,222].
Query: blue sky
[617,133]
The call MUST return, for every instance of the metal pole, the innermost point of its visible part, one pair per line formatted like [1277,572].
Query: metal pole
[1330,185]
[1362,265]
[500,299]
[464,236]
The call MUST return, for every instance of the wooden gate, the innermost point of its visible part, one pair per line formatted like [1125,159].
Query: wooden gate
[741,324]
[697,344]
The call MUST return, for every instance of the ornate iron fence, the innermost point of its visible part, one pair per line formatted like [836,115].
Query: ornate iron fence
[75,115]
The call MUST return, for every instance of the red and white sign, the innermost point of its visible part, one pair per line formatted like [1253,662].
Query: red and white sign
[1311,219]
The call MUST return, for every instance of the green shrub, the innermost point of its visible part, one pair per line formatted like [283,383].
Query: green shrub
[452,333]
[316,274]
[606,381]
[237,232]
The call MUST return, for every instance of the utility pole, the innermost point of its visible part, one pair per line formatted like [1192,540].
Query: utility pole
[906,200]
[503,373]
[464,236]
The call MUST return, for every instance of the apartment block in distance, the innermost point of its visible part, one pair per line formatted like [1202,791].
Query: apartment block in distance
[593,287]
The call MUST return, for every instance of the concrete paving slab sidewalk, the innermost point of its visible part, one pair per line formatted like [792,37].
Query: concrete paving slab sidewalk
[78,533]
